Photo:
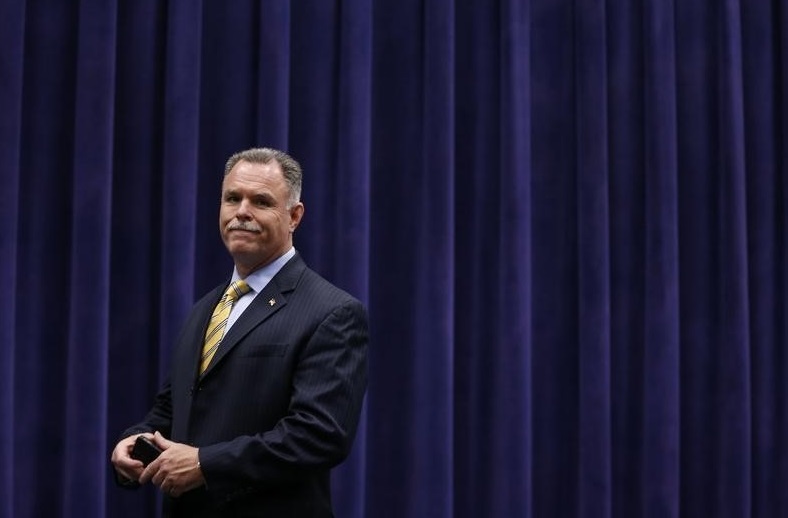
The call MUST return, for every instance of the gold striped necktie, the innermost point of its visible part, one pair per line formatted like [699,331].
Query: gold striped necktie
[215,332]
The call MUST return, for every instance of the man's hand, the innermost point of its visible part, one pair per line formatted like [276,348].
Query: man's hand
[176,470]
[121,458]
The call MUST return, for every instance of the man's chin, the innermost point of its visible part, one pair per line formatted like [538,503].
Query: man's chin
[241,251]
[245,254]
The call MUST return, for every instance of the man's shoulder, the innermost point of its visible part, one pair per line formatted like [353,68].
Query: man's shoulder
[313,284]
[305,279]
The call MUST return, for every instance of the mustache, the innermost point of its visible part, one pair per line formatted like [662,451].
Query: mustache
[243,225]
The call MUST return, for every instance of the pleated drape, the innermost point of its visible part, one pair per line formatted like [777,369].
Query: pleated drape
[88,260]
[11,54]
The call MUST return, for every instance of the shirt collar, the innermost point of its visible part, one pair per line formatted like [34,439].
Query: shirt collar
[259,279]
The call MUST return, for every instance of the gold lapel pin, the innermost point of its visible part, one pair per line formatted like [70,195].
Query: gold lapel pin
[271,302]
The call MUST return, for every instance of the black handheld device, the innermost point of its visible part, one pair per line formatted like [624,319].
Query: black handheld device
[144,450]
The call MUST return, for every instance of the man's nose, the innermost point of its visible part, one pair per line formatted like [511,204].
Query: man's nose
[243,211]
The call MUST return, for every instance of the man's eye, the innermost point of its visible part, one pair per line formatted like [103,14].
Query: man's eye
[230,198]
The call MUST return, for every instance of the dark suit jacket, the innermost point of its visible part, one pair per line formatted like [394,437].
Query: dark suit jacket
[277,407]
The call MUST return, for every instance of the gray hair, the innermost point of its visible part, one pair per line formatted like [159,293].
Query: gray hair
[291,169]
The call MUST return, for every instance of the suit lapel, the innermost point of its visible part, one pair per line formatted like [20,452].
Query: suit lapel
[265,304]
[186,363]
[195,353]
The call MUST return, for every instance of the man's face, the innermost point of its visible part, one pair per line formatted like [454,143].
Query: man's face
[255,223]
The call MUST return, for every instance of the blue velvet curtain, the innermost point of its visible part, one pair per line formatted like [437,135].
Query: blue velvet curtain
[567,218]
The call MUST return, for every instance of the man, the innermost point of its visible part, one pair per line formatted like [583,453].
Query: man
[261,403]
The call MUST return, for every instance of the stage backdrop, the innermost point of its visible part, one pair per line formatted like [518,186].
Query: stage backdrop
[567,219]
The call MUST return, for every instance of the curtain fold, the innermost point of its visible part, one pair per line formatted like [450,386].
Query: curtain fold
[45,146]
[661,388]
[350,246]
[554,217]
[180,162]
[86,355]
[781,334]
[411,222]
[697,118]
[12,35]
[273,51]
[625,101]
[734,407]
[761,156]
[593,268]
[509,486]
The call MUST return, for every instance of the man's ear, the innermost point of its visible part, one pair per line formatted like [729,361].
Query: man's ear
[296,213]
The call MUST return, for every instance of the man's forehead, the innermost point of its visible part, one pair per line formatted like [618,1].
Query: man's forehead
[255,175]
[270,167]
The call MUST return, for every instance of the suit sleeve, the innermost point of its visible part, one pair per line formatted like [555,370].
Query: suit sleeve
[328,390]
[159,418]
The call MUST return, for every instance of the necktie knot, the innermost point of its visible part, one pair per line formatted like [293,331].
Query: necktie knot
[237,290]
